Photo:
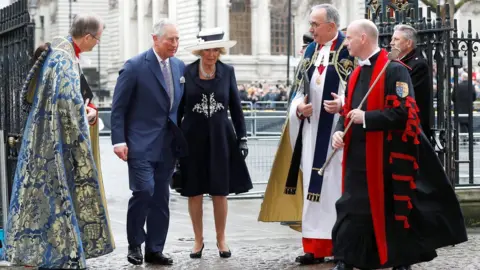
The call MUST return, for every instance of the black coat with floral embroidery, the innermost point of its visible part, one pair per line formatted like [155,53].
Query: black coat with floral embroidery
[214,164]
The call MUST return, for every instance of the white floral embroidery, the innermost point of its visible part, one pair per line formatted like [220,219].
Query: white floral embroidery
[208,106]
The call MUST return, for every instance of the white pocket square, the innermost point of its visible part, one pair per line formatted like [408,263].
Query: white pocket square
[182,79]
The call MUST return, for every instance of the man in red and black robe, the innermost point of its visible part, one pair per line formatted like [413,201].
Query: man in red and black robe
[397,204]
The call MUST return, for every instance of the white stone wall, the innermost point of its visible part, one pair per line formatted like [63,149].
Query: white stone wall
[258,66]
[116,45]
[128,36]
[261,65]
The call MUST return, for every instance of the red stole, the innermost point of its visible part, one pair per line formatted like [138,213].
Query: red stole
[374,151]
[77,50]
[90,104]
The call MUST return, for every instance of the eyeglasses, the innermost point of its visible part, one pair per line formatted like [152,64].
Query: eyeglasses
[315,24]
[98,40]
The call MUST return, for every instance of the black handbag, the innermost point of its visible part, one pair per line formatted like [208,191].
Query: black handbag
[176,181]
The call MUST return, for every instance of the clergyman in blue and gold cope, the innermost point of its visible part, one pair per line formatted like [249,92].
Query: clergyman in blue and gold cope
[57,217]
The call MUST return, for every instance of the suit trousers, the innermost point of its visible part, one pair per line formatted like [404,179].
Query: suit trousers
[149,182]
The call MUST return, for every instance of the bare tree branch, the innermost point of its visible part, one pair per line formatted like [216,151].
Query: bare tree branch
[431,3]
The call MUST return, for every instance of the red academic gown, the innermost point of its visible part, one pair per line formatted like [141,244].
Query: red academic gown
[397,205]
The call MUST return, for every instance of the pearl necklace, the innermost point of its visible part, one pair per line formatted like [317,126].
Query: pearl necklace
[205,74]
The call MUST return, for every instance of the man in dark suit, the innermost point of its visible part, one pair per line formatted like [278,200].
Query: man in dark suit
[145,134]
[405,39]
[463,100]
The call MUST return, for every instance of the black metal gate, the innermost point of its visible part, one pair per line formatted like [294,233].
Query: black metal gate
[16,51]
[446,51]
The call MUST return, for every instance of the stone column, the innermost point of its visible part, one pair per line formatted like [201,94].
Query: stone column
[255,24]
[209,9]
[223,19]
[155,11]
[172,10]
[125,6]
[141,25]
[263,37]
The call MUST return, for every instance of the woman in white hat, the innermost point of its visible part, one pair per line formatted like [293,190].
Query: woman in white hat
[217,150]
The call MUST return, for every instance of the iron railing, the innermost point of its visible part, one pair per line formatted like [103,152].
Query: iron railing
[16,51]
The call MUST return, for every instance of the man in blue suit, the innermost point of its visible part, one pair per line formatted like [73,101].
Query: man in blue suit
[145,134]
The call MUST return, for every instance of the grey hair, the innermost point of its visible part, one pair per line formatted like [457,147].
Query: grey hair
[408,32]
[159,27]
[87,23]
[332,13]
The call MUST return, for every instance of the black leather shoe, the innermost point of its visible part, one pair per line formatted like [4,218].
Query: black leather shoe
[342,266]
[406,267]
[198,254]
[308,258]
[224,254]
[135,255]
[157,258]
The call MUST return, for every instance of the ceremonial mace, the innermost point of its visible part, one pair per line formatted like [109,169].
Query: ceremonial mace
[392,55]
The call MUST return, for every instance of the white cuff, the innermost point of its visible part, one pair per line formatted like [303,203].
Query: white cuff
[342,100]
[364,124]
[119,144]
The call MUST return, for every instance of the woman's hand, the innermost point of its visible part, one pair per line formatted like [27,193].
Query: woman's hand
[242,145]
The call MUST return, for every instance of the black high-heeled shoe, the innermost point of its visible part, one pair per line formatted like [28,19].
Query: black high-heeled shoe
[198,254]
[224,254]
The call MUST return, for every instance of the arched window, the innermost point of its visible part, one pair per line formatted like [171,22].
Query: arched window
[279,27]
[241,26]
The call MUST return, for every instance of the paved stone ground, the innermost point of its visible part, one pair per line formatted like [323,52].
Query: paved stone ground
[254,245]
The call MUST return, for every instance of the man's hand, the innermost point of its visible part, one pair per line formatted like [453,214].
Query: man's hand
[333,106]
[91,115]
[304,108]
[121,152]
[356,115]
[337,140]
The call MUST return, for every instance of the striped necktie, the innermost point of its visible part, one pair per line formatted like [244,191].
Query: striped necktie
[167,76]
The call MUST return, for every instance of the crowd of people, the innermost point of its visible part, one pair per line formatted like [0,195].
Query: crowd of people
[262,91]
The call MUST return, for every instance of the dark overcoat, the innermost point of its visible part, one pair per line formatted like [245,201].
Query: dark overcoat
[214,164]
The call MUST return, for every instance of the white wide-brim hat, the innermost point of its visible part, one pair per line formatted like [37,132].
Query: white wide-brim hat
[210,39]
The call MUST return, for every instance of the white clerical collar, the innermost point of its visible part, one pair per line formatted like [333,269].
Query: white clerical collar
[329,43]
[367,62]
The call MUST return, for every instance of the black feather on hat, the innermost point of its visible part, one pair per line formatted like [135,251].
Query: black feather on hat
[307,39]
